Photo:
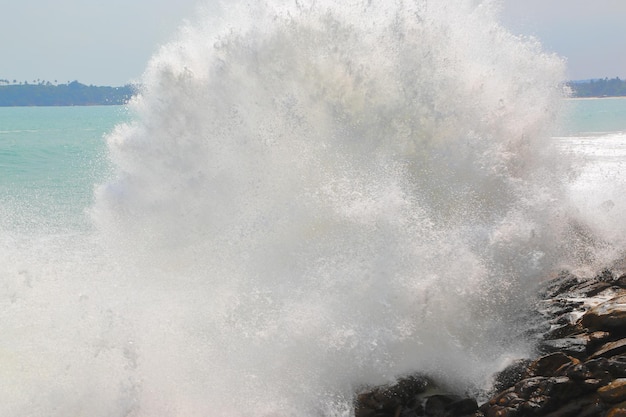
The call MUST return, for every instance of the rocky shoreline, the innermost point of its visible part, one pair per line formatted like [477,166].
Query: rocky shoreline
[580,370]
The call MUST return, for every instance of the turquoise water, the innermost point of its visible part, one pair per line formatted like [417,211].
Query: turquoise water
[50,159]
[594,116]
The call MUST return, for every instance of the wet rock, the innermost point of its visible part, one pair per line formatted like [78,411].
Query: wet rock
[462,407]
[574,346]
[438,405]
[502,412]
[511,375]
[575,408]
[606,276]
[617,366]
[559,285]
[621,281]
[614,392]
[391,400]
[596,409]
[608,315]
[508,398]
[610,349]
[575,371]
[599,369]
[591,384]
[530,387]
[594,288]
[618,410]
[598,337]
[547,365]
[561,330]
[581,373]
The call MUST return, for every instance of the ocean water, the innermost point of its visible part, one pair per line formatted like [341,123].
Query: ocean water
[593,134]
[303,201]
[50,159]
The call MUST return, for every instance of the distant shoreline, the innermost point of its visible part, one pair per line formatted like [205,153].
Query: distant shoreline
[596,98]
[76,94]
[70,94]
[598,88]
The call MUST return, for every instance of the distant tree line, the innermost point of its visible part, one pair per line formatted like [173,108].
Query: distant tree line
[598,88]
[44,93]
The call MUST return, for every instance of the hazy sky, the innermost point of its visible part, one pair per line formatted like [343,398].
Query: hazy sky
[109,42]
[590,34]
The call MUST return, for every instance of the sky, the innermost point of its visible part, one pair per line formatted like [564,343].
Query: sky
[110,42]
[590,34]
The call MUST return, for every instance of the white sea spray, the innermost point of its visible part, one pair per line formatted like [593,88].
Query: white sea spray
[312,198]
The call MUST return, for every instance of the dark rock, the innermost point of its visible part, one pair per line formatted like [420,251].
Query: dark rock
[596,409]
[576,407]
[544,394]
[614,392]
[559,285]
[610,349]
[530,386]
[617,366]
[563,330]
[598,337]
[534,407]
[364,412]
[577,372]
[558,306]
[606,276]
[618,410]
[608,315]
[409,412]
[593,288]
[509,399]
[547,365]
[582,372]
[563,389]
[599,369]
[390,399]
[462,407]
[591,384]
[498,411]
[573,346]
[511,375]
[438,405]
[621,281]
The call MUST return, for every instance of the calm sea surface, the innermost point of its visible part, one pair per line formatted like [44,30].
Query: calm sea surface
[50,159]
[594,116]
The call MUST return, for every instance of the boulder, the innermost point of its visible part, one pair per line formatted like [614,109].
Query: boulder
[577,407]
[617,366]
[614,392]
[593,288]
[391,400]
[608,315]
[547,365]
[618,410]
[559,285]
[610,349]
[574,346]
[511,375]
